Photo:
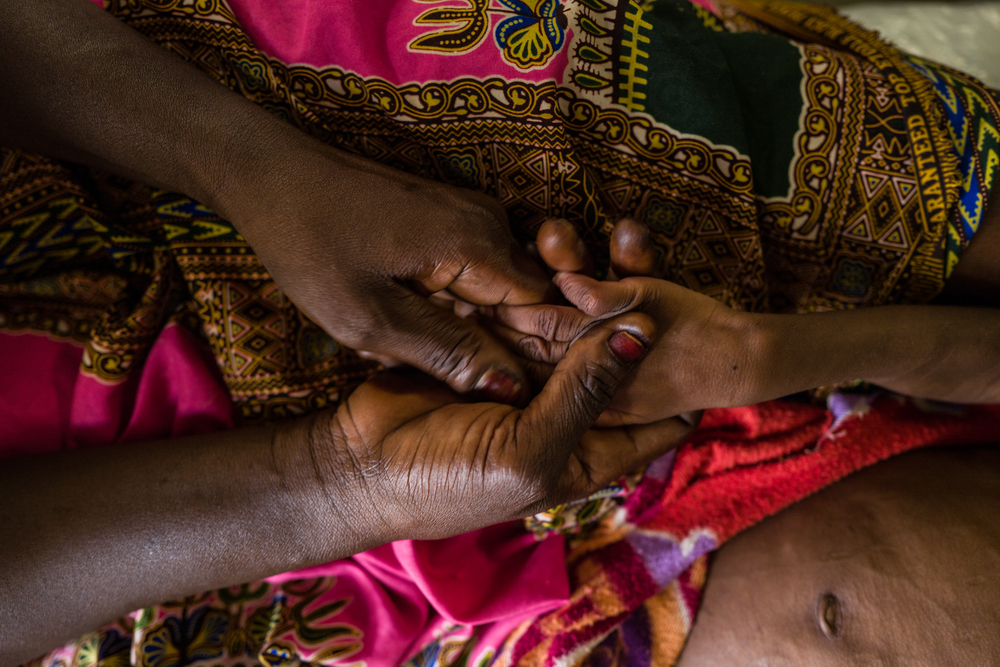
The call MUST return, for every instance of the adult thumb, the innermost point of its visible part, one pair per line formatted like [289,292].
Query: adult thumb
[583,385]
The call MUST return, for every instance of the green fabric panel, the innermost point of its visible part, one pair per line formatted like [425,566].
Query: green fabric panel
[767,74]
[740,90]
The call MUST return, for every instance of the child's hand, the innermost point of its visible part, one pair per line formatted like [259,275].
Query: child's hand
[702,359]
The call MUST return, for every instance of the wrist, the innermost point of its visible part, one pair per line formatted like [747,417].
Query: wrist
[804,351]
[264,175]
[334,493]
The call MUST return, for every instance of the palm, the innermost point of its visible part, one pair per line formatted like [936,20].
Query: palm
[438,464]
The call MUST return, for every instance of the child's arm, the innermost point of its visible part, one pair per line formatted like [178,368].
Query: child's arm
[939,352]
[711,356]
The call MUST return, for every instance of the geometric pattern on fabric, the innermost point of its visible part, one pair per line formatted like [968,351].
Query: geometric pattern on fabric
[973,122]
[275,361]
[892,245]
[866,220]
[859,226]
[875,183]
[592,161]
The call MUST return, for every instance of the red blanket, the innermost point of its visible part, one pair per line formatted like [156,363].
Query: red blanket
[637,579]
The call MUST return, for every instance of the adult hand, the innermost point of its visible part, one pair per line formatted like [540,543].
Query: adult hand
[434,465]
[359,247]
[707,356]
[404,457]
[354,244]
[542,335]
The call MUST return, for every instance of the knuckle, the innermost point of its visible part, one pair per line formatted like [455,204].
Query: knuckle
[545,322]
[488,209]
[529,347]
[591,303]
[484,210]
[533,348]
[452,352]
[597,389]
[368,329]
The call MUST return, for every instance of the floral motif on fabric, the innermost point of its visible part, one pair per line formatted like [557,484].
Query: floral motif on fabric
[528,34]
[110,263]
[271,625]
[581,516]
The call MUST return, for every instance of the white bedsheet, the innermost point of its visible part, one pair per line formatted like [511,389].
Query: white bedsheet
[964,35]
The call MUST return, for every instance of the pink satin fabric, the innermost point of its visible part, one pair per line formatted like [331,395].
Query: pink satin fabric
[47,405]
[322,34]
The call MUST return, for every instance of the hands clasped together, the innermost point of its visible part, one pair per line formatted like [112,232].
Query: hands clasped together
[581,393]
[420,449]
[599,411]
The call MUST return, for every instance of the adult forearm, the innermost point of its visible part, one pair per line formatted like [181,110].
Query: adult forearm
[353,243]
[90,535]
[944,353]
[82,86]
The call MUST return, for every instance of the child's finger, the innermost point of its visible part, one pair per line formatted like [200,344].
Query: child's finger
[632,251]
[528,346]
[538,357]
[562,249]
[551,323]
[600,299]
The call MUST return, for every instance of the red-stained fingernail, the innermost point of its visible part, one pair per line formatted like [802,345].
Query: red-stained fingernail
[498,386]
[626,347]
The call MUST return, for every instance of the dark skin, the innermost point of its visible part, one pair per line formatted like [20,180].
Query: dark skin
[133,526]
[164,519]
[405,453]
[895,565]
[181,516]
[356,245]
[941,352]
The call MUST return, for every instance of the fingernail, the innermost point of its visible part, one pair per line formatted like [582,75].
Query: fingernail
[626,347]
[499,387]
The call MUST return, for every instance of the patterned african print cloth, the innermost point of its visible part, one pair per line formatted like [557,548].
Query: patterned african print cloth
[785,160]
